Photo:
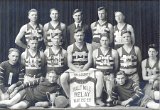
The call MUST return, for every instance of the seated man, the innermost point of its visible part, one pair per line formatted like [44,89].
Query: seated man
[28,96]
[10,71]
[106,60]
[80,60]
[126,92]
[150,73]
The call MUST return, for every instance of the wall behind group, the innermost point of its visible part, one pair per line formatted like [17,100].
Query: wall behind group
[142,15]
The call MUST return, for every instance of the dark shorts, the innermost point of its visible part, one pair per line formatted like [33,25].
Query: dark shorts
[29,96]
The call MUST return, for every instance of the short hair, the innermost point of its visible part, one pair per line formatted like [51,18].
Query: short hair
[77,10]
[154,46]
[53,9]
[118,12]
[32,10]
[101,8]
[78,30]
[120,73]
[57,34]
[13,50]
[52,71]
[105,35]
[32,38]
[123,32]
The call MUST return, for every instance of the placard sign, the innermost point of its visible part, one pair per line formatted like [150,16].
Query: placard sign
[82,89]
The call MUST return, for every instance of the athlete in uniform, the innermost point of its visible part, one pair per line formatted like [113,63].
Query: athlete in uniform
[80,60]
[33,60]
[119,28]
[150,73]
[106,60]
[30,29]
[56,56]
[32,92]
[10,71]
[101,27]
[130,57]
[54,27]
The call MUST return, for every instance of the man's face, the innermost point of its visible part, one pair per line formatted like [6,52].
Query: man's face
[33,44]
[13,57]
[119,17]
[77,17]
[120,79]
[104,41]
[56,40]
[79,36]
[126,38]
[33,16]
[52,77]
[102,15]
[54,15]
[152,53]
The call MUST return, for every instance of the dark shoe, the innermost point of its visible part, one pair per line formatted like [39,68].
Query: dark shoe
[3,106]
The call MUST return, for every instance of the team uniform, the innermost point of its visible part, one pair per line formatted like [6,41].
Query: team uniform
[129,90]
[38,32]
[56,62]
[97,31]
[33,66]
[51,31]
[129,64]
[118,36]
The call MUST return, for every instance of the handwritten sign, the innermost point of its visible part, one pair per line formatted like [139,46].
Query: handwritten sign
[82,89]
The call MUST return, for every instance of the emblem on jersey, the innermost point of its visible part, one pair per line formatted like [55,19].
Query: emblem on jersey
[56,60]
[80,56]
[35,32]
[105,60]
[33,62]
[151,71]
[128,60]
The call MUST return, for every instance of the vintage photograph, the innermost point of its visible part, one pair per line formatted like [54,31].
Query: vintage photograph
[79,54]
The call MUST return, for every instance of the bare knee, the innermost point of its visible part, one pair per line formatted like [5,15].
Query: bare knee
[64,78]
[99,75]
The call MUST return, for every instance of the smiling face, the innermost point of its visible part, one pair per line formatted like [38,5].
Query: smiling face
[13,57]
[54,14]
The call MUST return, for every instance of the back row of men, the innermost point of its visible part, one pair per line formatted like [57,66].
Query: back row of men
[80,55]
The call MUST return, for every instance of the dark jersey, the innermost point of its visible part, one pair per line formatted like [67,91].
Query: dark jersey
[152,70]
[80,56]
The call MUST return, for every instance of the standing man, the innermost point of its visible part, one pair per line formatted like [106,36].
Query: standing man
[130,57]
[78,23]
[119,28]
[101,27]
[80,60]
[10,71]
[30,29]
[33,60]
[54,27]
[106,60]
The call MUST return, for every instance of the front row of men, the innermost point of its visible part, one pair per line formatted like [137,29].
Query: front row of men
[78,57]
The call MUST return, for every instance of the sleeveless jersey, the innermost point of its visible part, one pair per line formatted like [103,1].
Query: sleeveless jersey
[118,36]
[152,70]
[98,30]
[33,64]
[105,63]
[51,30]
[80,56]
[128,61]
[55,62]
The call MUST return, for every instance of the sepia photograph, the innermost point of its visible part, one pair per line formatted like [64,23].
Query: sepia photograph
[80,54]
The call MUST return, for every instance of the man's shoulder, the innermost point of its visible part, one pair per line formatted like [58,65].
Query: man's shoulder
[4,63]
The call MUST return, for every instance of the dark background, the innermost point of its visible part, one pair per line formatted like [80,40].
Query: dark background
[142,15]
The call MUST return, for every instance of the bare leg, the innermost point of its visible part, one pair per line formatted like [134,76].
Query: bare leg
[15,99]
[156,95]
[153,105]
[20,105]
[64,83]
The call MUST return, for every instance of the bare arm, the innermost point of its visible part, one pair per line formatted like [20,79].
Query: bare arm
[20,36]
[111,32]
[95,52]
[130,28]
[45,33]
[116,60]
[144,75]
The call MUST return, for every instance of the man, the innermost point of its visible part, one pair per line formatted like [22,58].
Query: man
[80,60]
[56,56]
[106,60]
[150,74]
[30,29]
[10,71]
[101,27]
[33,60]
[78,23]
[130,57]
[54,27]
[30,93]
[126,92]
[119,28]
